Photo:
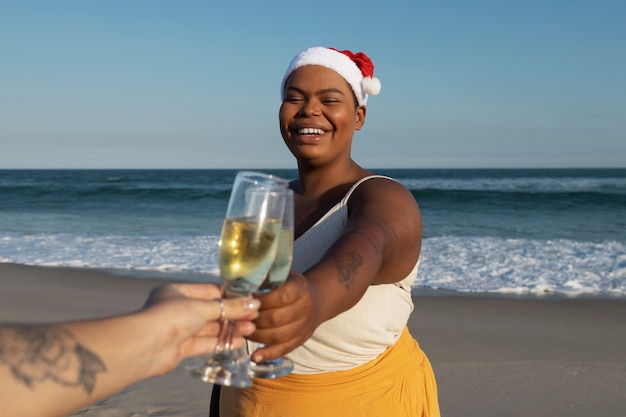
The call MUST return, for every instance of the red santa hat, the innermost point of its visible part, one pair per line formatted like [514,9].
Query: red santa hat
[356,68]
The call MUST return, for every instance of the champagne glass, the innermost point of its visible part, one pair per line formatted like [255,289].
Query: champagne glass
[247,249]
[279,271]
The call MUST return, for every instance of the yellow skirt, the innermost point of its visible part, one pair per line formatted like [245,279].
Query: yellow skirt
[400,382]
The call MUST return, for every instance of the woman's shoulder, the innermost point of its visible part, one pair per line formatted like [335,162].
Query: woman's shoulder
[380,187]
[381,196]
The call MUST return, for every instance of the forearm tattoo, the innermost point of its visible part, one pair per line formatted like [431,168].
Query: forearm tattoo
[346,267]
[37,354]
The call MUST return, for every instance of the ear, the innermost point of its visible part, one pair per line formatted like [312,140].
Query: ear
[359,117]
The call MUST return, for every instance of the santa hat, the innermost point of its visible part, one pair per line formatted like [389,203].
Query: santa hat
[357,69]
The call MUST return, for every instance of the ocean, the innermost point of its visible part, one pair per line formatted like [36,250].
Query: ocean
[506,232]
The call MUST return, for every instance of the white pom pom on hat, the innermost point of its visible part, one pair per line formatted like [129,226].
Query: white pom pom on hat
[356,68]
[371,85]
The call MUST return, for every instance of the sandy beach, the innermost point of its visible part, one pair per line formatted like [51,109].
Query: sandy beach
[492,356]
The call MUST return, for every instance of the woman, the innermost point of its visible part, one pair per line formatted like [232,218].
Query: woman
[342,316]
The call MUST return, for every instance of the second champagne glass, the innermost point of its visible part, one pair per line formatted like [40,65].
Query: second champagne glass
[277,276]
[247,249]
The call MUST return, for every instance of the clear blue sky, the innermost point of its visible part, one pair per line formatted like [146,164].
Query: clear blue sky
[195,84]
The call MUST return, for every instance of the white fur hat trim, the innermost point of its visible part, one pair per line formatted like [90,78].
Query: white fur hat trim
[341,64]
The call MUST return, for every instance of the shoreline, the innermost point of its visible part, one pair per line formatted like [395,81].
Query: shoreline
[422,292]
[547,296]
[492,355]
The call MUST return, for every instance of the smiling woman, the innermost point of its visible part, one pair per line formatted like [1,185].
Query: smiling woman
[341,316]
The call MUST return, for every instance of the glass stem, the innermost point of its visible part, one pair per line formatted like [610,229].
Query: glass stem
[226,336]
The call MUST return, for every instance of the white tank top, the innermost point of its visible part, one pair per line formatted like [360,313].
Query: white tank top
[360,334]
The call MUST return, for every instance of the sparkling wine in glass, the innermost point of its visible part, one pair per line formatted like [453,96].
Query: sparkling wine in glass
[279,271]
[247,248]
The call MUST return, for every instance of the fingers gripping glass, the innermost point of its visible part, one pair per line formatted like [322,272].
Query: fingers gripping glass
[247,249]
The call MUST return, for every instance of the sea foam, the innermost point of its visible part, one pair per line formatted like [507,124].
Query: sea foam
[461,264]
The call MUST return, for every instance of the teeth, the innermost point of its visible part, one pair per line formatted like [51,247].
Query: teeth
[310,131]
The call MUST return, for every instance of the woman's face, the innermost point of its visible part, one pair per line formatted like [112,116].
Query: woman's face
[318,115]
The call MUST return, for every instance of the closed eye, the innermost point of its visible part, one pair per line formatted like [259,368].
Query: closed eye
[293,99]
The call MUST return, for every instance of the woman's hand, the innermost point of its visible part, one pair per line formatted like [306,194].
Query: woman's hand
[190,316]
[288,317]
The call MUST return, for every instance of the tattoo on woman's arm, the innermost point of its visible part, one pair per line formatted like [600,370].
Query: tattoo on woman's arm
[346,267]
[37,354]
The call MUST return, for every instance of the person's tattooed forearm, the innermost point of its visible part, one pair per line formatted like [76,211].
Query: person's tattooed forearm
[346,267]
[37,354]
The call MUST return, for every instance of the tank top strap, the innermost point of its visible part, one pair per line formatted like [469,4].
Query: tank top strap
[345,199]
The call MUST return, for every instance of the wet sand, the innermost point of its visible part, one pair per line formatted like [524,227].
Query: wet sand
[492,356]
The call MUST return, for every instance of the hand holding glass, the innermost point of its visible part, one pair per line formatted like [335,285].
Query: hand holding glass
[247,249]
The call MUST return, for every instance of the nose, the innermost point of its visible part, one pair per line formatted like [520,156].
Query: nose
[310,108]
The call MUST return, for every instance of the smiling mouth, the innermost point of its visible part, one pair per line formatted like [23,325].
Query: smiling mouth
[310,131]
